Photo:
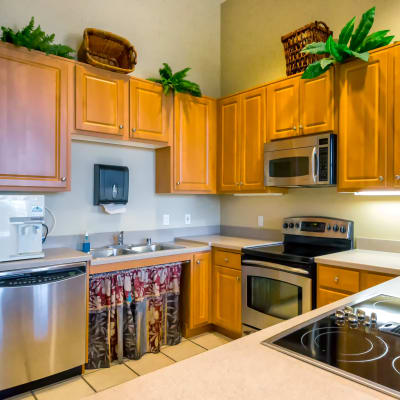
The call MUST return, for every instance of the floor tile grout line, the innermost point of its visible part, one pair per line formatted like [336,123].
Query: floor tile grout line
[33,395]
[205,348]
[126,365]
[166,355]
[89,384]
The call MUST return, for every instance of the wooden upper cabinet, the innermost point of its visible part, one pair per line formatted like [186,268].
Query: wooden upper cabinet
[363,123]
[252,140]
[101,101]
[283,109]
[396,138]
[201,290]
[227,299]
[34,139]
[195,144]
[229,144]
[316,104]
[150,111]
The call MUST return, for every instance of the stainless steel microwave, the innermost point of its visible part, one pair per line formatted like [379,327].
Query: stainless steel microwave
[301,161]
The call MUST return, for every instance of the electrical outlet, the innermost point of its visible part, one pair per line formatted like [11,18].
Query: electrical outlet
[260,220]
[188,219]
[165,219]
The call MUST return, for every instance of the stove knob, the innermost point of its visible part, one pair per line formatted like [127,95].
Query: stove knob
[374,319]
[348,310]
[343,229]
[339,314]
[285,225]
[352,318]
[297,225]
[335,227]
[291,225]
[360,315]
[328,227]
[367,321]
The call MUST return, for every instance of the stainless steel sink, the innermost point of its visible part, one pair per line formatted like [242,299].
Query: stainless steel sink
[118,250]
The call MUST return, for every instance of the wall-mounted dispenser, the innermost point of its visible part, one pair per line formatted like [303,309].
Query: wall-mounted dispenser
[111,187]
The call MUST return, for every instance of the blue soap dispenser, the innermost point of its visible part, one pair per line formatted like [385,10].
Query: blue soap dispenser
[86,244]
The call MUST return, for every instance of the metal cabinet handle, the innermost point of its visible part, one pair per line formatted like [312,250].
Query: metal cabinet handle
[198,262]
[336,279]
[133,130]
[241,184]
[238,278]
[63,179]
[381,178]
[121,126]
[178,183]
[294,127]
[397,177]
[300,126]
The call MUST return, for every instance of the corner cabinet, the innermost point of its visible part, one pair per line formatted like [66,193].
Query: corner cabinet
[101,101]
[34,138]
[298,106]
[189,166]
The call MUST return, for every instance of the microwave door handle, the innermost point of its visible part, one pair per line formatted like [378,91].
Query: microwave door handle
[314,161]
[275,266]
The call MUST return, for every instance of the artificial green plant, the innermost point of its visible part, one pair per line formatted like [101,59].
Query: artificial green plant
[35,39]
[176,81]
[348,45]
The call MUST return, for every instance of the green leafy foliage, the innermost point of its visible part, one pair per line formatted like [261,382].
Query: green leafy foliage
[35,39]
[341,50]
[177,81]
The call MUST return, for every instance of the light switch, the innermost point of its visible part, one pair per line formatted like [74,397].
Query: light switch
[188,219]
[260,220]
[165,219]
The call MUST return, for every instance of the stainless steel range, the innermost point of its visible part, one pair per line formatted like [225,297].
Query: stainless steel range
[360,342]
[279,281]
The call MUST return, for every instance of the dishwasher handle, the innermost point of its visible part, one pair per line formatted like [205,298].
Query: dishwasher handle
[280,267]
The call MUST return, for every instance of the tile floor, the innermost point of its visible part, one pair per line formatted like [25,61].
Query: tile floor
[97,380]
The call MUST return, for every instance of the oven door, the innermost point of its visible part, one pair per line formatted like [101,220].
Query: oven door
[272,293]
[292,167]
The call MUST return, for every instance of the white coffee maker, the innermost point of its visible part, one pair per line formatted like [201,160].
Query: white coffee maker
[21,222]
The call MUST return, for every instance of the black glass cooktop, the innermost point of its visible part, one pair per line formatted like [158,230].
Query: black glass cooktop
[369,355]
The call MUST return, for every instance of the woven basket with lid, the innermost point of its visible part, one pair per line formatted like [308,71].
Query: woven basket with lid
[107,50]
[294,42]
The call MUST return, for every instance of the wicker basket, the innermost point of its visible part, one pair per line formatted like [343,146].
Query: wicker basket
[106,50]
[293,42]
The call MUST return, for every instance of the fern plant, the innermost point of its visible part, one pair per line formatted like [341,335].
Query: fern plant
[34,38]
[340,50]
[176,82]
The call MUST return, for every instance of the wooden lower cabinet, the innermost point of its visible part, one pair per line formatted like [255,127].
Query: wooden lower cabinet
[227,299]
[335,283]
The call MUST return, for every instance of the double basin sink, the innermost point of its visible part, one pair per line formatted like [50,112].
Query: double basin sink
[123,250]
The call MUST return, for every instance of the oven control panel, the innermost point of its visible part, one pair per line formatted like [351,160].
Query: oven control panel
[318,226]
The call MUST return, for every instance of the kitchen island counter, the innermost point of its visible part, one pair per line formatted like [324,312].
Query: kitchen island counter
[245,369]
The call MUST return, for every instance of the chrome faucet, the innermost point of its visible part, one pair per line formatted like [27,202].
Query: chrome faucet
[148,241]
[121,238]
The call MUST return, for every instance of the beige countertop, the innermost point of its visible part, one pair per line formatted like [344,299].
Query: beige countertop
[54,256]
[366,260]
[187,247]
[228,242]
[245,369]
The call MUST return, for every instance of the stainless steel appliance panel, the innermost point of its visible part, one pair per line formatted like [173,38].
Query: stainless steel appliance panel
[42,328]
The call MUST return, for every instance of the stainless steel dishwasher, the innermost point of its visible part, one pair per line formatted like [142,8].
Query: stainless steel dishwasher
[42,322]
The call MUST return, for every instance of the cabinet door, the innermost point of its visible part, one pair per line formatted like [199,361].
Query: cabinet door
[252,140]
[195,143]
[228,145]
[101,101]
[316,104]
[363,123]
[201,290]
[149,112]
[325,296]
[34,139]
[396,142]
[227,298]
[283,109]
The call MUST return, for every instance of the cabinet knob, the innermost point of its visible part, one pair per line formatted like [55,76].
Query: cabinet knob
[226,259]
[336,279]
[381,179]
[133,130]
[121,126]
[300,126]
[63,179]
[198,262]
[397,177]
[241,183]
[238,278]
[294,127]
[178,183]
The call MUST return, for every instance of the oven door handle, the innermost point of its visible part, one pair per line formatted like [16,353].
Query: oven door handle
[275,266]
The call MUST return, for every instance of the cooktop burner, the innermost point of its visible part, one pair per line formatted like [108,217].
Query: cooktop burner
[367,354]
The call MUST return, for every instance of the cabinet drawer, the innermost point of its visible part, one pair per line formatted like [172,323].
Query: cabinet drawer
[325,297]
[369,279]
[227,259]
[339,279]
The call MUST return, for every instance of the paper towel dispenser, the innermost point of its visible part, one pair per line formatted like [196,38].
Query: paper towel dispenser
[111,184]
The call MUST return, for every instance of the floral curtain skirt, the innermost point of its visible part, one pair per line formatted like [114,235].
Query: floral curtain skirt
[133,312]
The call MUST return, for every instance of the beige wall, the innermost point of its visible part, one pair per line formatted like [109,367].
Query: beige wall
[180,32]
[251,30]
[251,54]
